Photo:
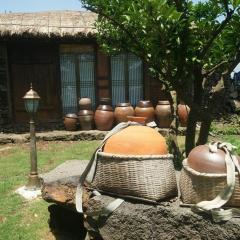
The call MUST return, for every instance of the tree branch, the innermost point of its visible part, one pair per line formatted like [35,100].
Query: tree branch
[216,33]
[214,68]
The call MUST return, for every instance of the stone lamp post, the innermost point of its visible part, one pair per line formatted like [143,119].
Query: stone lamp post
[31,101]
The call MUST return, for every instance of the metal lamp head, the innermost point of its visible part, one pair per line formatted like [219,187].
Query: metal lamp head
[31,100]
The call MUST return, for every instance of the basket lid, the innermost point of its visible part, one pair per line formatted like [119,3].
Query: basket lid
[137,140]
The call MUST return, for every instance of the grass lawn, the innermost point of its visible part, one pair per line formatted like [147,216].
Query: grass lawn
[20,219]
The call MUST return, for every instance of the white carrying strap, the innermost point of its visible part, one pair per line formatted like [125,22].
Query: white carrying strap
[89,172]
[214,206]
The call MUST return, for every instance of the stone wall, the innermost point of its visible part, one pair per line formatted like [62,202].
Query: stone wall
[4,111]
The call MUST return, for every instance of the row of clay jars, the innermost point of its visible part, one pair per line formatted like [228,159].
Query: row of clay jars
[163,111]
[104,115]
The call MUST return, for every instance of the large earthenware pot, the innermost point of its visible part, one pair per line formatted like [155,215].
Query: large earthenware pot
[136,140]
[104,117]
[70,122]
[121,112]
[164,114]
[85,104]
[85,118]
[145,109]
[183,111]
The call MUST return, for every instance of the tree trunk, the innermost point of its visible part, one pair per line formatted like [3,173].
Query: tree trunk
[191,130]
[194,109]
[205,127]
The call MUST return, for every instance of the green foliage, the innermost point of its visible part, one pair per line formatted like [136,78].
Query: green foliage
[29,220]
[172,37]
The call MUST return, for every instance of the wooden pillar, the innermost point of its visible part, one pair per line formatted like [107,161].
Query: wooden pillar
[103,78]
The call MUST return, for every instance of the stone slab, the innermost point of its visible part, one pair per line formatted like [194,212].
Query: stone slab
[137,221]
[28,194]
[59,185]
[133,220]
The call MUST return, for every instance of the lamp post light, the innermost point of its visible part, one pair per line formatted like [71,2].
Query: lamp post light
[31,101]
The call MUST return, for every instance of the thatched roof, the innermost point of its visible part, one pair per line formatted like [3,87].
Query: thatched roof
[48,24]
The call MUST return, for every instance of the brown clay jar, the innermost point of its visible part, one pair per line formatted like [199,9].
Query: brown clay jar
[203,160]
[104,117]
[145,109]
[70,122]
[121,112]
[85,118]
[164,114]
[85,104]
[183,111]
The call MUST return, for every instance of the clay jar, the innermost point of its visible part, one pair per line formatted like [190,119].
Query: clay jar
[136,140]
[203,160]
[164,114]
[183,111]
[70,122]
[85,104]
[145,109]
[85,118]
[121,112]
[104,117]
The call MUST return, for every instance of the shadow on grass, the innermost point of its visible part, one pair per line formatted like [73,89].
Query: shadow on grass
[66,224]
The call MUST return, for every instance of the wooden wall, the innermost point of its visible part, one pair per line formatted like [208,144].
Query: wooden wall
[37,64]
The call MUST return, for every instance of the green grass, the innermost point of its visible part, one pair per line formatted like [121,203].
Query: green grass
[234,140]
[20,219]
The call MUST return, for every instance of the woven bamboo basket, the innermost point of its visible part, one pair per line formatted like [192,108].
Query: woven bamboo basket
[196,187]
[143,177]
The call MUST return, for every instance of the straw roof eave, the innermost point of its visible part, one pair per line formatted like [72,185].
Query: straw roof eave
[58,24]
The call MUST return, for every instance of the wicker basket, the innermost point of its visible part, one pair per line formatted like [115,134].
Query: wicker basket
[196,187]
[144,177]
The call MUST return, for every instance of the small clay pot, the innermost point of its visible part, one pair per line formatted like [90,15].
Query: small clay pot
[70,122]
[164,114]
[140,120]
[85,104]
[104,117]
[121,112]
[183,112]
[85,118]
[145,109]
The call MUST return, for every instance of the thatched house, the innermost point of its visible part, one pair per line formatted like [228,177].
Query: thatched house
[58,53]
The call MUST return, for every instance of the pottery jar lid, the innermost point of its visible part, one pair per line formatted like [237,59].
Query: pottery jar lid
[105,101]
[203,160]
[105,107]
[163,102]
[85,112]
[127,104]
[137,140]
[71,115]
[144,104]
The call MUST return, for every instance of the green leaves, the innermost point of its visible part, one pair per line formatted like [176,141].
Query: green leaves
[235,3]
